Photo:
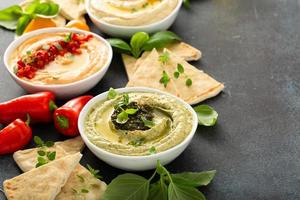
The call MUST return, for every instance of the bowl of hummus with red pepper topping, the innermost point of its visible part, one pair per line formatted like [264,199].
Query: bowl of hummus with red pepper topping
[65,61]
[135,127]
[123,18]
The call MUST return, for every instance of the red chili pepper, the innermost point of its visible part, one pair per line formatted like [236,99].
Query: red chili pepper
[39,106]
[15,136]
[66,117]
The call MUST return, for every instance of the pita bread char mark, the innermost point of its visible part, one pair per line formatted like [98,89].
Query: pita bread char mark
[44,182]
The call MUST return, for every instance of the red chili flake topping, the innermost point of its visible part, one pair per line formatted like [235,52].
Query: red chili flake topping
[33,61]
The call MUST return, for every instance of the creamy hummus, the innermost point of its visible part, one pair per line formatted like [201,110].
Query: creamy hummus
[67,68]
[172,123]
[132,12]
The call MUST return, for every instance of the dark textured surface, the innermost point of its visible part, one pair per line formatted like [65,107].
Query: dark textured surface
[253,46]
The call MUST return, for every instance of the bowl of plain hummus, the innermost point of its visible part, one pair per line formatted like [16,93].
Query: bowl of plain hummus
[67,62]
[134,128]
[123,18]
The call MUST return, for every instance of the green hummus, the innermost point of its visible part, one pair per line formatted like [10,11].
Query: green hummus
[159,122]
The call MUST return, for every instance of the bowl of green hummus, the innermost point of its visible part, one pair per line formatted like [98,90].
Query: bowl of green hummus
[132,128]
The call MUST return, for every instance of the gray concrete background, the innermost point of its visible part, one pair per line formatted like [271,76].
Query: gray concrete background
[253,47]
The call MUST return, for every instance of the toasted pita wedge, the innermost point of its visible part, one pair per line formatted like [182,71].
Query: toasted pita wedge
[181,49]
[80,179]
[149,73]
[44,182]
[71,9]
[26,159]
[203,87]
[73,145]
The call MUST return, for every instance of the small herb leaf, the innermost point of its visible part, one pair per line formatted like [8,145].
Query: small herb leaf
[207,116]
[22,23]
[180,68]
[80,178]
[176,75]
[165,79]
[84,191]
[112,93]
[94,172]
[152,150]
[41,153]
[165,57]
[131,111]
[147,122]
[38,141]
[49,144]
[51,156]
[122,117]
[188,82]
[194,179]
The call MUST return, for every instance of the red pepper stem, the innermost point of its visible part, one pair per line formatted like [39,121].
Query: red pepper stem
[63,122]
[28,119]
[52,106]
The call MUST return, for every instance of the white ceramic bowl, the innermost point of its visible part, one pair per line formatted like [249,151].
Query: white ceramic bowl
[135,163]
[62,91]
[128,31]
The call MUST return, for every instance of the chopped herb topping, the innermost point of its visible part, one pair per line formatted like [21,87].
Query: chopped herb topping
[80,178]
[112,93]
[147,122]
[68,37]
[94,172]
[165,57]
[165,79]
[152,150]
[137,142]
[188,82]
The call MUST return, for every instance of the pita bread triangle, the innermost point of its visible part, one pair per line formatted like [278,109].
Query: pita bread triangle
[42,183]
[181,49]
[149,73]
[26,159]
[203,86]
[80,179]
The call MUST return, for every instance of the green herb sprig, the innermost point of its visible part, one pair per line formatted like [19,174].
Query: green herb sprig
[168,187]
[165,79]
[94,172]
[142,41]
[43,156]
[15,18]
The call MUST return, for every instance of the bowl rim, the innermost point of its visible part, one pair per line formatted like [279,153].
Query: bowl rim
[103,95]
[137,28]
[14,44]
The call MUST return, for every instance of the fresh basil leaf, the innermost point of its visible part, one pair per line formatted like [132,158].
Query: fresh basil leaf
[158,191]
[22,24]
[179,192]
[160,40]
[207,116]
[9,17]
[112,93]
[131,111]
[137,42]
[127,186]
[47,9]
[194,179]
[32,6]
[120,45]
[122,117]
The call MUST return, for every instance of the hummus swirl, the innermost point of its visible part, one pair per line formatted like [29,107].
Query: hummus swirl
[64,69]
[172,124]
[132,12]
